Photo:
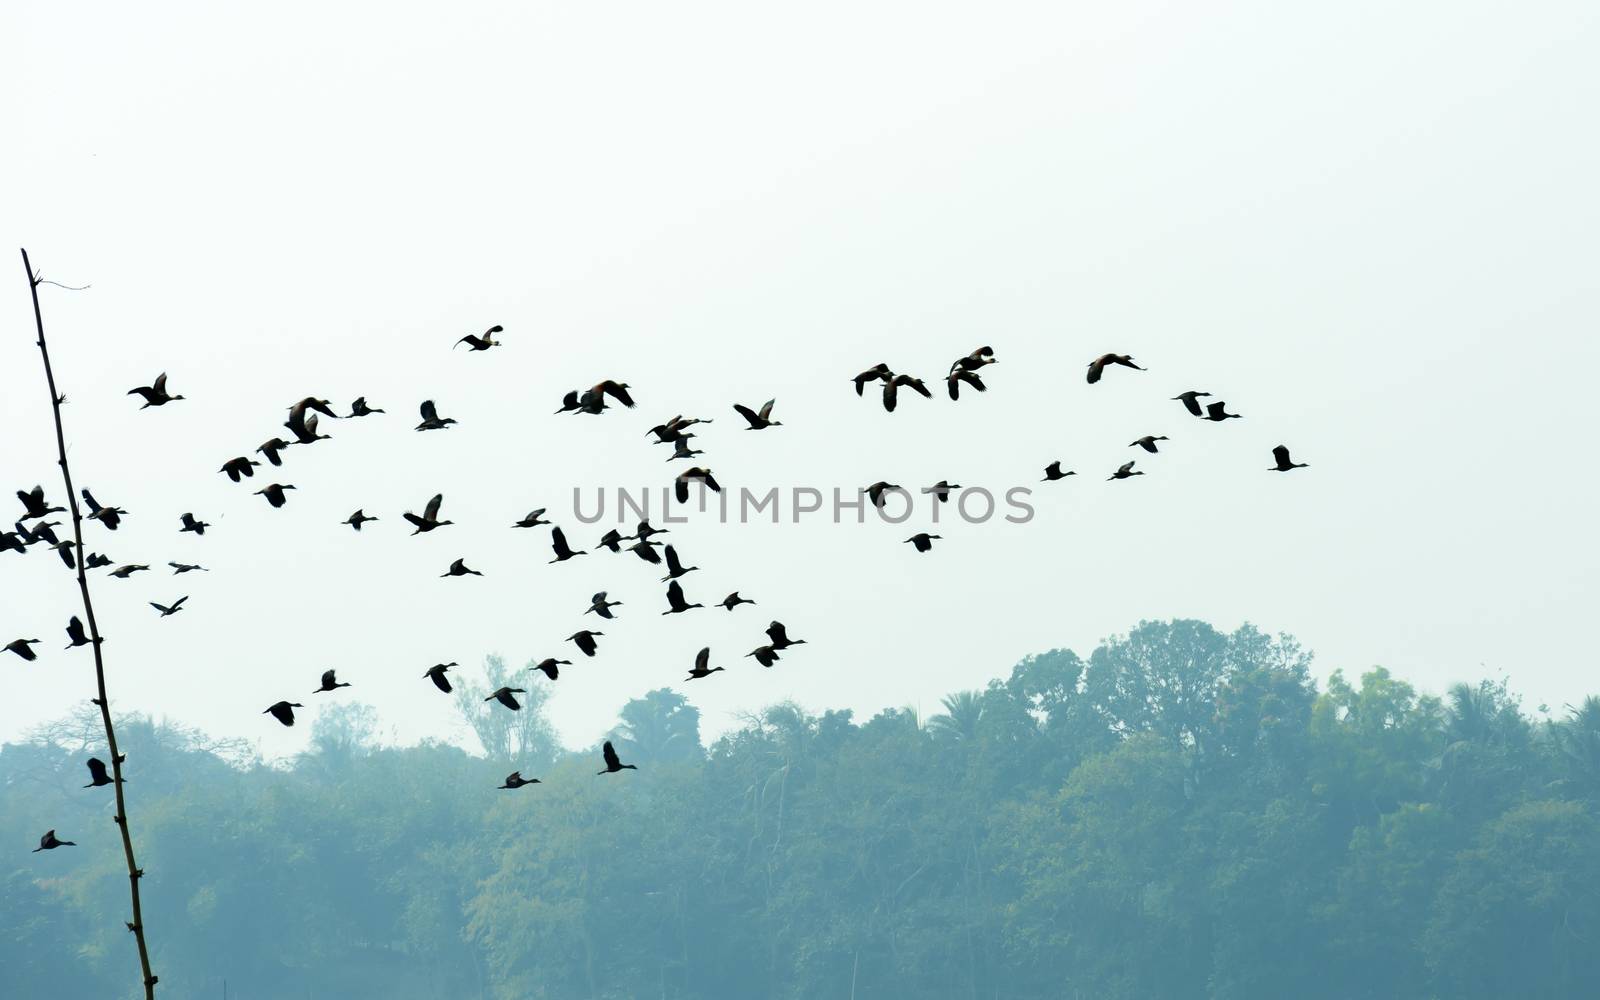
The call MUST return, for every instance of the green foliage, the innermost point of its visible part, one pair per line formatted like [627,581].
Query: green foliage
[1180,815]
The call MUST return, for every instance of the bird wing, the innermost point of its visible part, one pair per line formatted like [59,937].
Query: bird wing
[675,594]
[97,769]
[778,634]
[616,391]
[88,498]
[428,411]
[891,394]
[1095,368]
[1281,454]
[918,385]
[1125,468]
[432,509]
[673,565]
[558,542]
[747,413]
[1191,404]
[160,385]
[414,519]
[179,602]
[700,660]
[327,678]
[766,408]
[610,754]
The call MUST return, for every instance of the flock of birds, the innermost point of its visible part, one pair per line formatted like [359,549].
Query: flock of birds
[302,425]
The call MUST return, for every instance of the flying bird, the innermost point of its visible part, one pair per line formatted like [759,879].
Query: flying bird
[602,607]
[558,544]
[923,541]
[1191,401]
[155,394]
[515,780]
[507,697]
[123,572]
[283,711]
[484,342]
[1218,412]
[76,633]
[357,519]
[1099,364]
[436,672]
[550,666]
[585,641]
[459,568]
[699,671]
[190,524]
[879,372]
[780,636]
[33,502]
[687,476]
[304,428]
[733,600]
[1124,471]
[1148,443]
[533,520]
[271,449]
[179,568]
[612,540]
[1280,456]
[237,467]
[675,567]
[959,375]
[645,531]
[594,400]
[96,560]
[570,403]
[891,389]
[613,763]
[108,516]
[765,655]
[430,516]
[877,491]
[682,450]
[359,408]
[431,421]
[941,490]
[173,609]
[646,550]
[274,494]
[49,841]
[98,778]
[977,359]
[676,603]
[1052,472]
[330,683]
[758,420]
[22,648]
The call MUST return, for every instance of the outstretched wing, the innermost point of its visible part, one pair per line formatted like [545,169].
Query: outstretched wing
[428,411]
[747,413]
[432,509]
[701,659]
[609,752]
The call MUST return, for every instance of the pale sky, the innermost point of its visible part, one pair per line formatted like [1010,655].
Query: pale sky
[1368,227]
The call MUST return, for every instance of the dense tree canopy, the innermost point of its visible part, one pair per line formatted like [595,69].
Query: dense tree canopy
[1180,815]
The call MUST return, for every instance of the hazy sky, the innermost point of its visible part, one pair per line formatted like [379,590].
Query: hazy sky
[1369,227]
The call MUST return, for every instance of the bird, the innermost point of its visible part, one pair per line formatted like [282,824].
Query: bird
[430,516]
[959,375]
[271,448]
[1280,455]
[878,372]
[459,568]
[435,673]
[123,572]
[1148,443]
[646,550]
[765,655]
[180,568]
[96,560]
[675,567]
[329,683]
[22,647]
[645,530]
[699,669]
[1218,412]
[1191,401]
[322,406]
[359,408]
[563,551]
[585,641]
[549,665]
[304,428]
[878,490]
[683,450]
[533,520]
[190,524]
[75,633]
[13,541]
[1098,365]
[108,516]
[758,420]
[507,697]
[516,780]
[274,494]
[612,540]
[780,636]
[65,550]
[50,842]
[39,533]
[602,607]
[33,502]
[891,389]
[570,403]
[672,430]
[977,359]
[484,342]
[1124,471]
[237,467]
[357,519]
[283,711]
[173,609]
[681,485]
[431,421]
[941,490]
[733,600]
[923,541]
[1052,472]
[594,401]
[98,778]
[154,394]
[613,763]
[676,603]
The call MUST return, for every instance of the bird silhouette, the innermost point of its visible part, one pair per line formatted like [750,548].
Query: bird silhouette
[570,403]
[330,683]
[436,673]
[359,408]
[431,421]
[108,516]
[877,373]
[1148,443]
[169,610]
[602,607]
[179,568]
[645,531]
[484,342]
[304,428]
[612,540]
[49,841]
[765,655]
[430,516]
[191,524]
[563,551]
[283,711]
[507,697]
[357,519]
[274,494]
[96,560]
[459,568]
[878,490]
[676,603]
[675,568]
[34,504]
[594,400]
[977,359]
[1282,463]
[584,640]
[1218,412]
[533,520]
[646,550]
[699,670]
[758,420]
[270,449]
[1191,401]
[516,780]
[1098,365]
[687,476]
[98,778]
[941,490]
[733,600]
[780,636]
[23,648]
[1124,471]
[923,541]
[155,394]
[76,633]
[613,763]
[957,376]
[235,468]
[123,572]
[891,390]
[550,666]
[682,450]
[65,550]
[1052,472]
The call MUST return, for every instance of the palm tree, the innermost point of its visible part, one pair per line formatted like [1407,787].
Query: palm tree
[660,726]
[959,723]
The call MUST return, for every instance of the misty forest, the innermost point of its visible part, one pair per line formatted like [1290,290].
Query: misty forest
[1182,813]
